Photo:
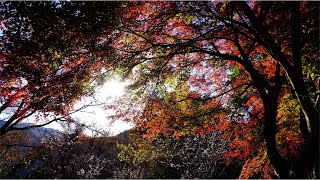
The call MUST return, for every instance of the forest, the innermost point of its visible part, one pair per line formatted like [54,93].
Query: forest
[214,89]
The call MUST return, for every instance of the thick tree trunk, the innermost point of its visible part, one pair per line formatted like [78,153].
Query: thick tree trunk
[305,164]
[301,164]
[309,109]
[309,157]
[310,154]
[270,130]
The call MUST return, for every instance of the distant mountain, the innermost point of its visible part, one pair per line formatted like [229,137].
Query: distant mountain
[123,136]
[103,147]
[37,133]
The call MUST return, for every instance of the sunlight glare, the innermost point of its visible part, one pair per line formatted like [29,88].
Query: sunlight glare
[113,88]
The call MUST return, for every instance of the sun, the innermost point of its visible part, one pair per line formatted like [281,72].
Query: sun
[96,117]
[113,88]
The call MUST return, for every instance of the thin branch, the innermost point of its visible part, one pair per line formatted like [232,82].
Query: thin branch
[213,97]
[61,119]
[40,125]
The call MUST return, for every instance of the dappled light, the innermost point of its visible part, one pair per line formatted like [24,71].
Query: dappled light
[159,90]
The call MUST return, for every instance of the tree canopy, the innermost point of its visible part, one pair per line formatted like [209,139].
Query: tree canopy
[201,64]
[247,71]
[51,55]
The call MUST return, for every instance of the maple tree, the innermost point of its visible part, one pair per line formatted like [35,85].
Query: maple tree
[245,69]
[233,56]
[51,54]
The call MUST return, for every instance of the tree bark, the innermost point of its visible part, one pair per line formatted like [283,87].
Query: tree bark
[270,130]
[310,155]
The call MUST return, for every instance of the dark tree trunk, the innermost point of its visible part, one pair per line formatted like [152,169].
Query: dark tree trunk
[307,164]
[270,130]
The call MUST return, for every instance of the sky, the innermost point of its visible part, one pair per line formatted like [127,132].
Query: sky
[96,117]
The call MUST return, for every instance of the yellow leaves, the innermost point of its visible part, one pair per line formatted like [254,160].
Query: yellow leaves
[56,55]
[137,152]
[289,138]
[183,106]
[288,110]
[187,18]
[170,39]
[312,75]
[171,83]
[63,23]
[130,41]
[124,4]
